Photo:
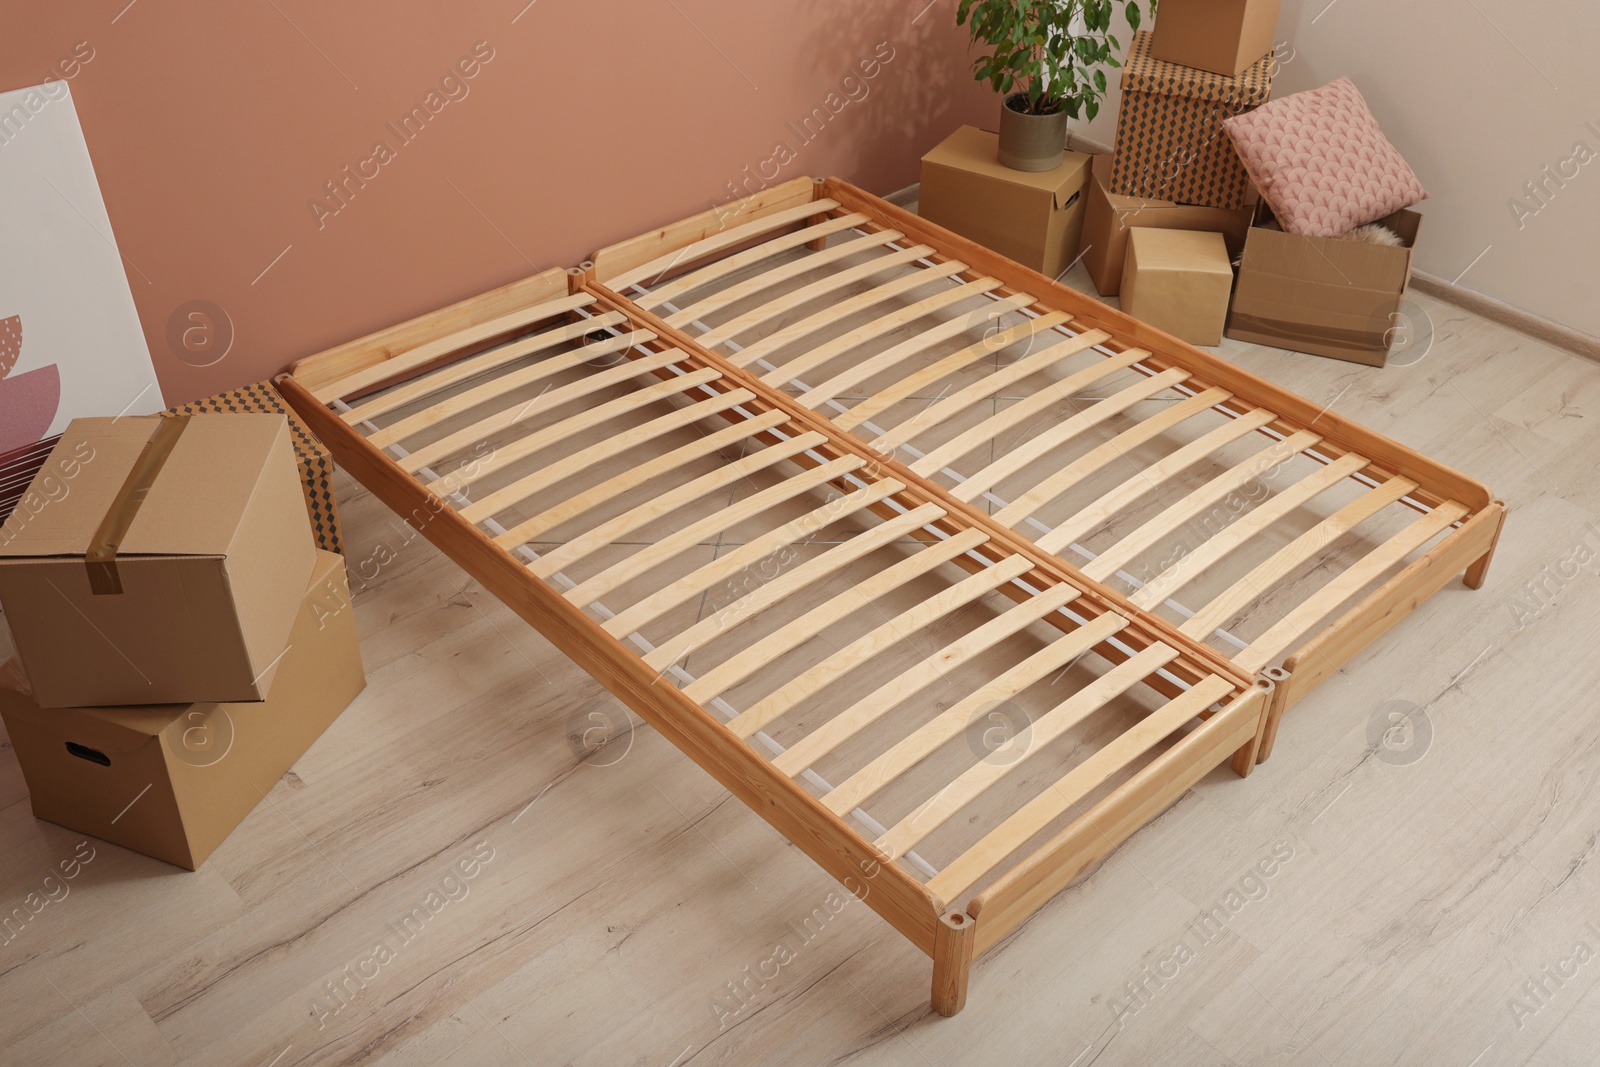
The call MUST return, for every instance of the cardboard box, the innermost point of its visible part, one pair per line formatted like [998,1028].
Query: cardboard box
[171,781]
[1329,296]
[1108,219]
[313,457]
[1171,144]
[1221,36]
[167,566]
[1031,217]
[1178,281]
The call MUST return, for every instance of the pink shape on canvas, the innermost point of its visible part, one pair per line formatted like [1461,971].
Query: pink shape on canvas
[29,401]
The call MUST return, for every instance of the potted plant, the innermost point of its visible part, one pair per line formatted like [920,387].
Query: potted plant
[1047,60]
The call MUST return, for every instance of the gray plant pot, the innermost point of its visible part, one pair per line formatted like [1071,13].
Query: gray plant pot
[1031,142]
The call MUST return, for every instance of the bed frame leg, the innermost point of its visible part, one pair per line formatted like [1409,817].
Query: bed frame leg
[952,961]
[1277,703]
[1478,573]
[1245,759]
[578,276]
[1248,755]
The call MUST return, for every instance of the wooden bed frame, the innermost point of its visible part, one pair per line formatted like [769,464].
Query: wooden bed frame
[780,276]
[868,620]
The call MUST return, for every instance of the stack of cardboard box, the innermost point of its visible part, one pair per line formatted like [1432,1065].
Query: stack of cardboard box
[1174,167]
[180,638]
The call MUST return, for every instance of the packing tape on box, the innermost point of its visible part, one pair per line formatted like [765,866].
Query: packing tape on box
[1365,340]
[101,558]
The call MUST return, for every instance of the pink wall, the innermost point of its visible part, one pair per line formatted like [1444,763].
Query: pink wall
[216,126]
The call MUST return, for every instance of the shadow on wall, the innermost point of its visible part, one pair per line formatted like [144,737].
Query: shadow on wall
[890,84]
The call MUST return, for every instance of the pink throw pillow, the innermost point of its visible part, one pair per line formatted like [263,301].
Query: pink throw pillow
[1321,161]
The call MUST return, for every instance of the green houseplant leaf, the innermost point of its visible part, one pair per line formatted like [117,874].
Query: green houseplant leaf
[1052,51]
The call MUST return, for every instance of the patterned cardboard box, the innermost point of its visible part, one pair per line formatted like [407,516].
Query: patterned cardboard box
[316,464]
[1170,140]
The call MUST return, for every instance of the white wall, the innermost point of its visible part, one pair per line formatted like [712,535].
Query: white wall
[1479,96]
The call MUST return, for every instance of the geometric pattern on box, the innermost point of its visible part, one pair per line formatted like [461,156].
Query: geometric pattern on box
[316,463]
[1170,143]
[838,364]
[1322,162]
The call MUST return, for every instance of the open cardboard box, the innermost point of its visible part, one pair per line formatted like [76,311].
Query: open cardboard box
[1109,218]
[1330,296]
[173,780]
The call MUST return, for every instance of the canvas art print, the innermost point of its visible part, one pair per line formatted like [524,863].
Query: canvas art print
[70,340]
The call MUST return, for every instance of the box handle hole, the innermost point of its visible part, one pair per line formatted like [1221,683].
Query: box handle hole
[90,754]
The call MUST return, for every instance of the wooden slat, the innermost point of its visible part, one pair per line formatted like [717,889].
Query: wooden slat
[819,356]
[1167,350]
[721,268]
[791,635]
[890,633]
[1381,609]
[714,241]
[1032,406]
[911,681]
[436,348]
[505,418]
[632,478]
[1182,511]
[973,864]
[499,356]
[920,743]
[1051,437]
[1199,657]
[1051,867]
[1101,456]
[1151,478]
[927,377]
[584,421]
[496,387]
[701,579]
[1276,567]
[577,462]
[788,583]
[788,301]
[665,503]
[984,774]
[1059,351]
[680,541]
[1293,627]
[1201,558]
[857,373]
[829,317]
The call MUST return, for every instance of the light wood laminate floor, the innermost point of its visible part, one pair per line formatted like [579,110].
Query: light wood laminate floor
[1365,898]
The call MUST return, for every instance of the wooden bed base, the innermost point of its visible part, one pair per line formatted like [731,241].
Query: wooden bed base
[869,617]
[770,280]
